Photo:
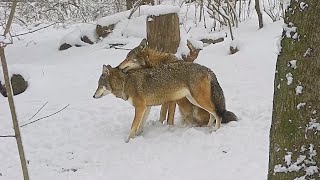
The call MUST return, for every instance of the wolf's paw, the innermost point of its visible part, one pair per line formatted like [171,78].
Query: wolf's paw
[131,136]
[157,123]
[212,129]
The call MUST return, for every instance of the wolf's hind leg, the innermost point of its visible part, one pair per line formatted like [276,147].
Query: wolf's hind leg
[139,112]
[163,112]
[203,101]
[171,112]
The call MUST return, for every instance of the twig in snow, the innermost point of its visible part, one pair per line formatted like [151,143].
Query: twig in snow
[45,116]
[34,30]
[7,136]
[38,111]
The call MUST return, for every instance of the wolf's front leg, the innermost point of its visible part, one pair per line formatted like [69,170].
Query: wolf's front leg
[138,117]
[145,116]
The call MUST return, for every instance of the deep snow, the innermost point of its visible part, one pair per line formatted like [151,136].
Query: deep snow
[86,140]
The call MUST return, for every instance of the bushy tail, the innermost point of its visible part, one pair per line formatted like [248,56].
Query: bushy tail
[228,116]
[220,103]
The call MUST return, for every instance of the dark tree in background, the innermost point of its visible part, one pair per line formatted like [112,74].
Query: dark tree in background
[130,3]
[258,10]
[295,129]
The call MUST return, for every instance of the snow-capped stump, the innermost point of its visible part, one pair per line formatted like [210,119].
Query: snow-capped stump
[234,46]
[19,85]
[81,36]
[64,46]
[167,37]
[104,31]
[106,25]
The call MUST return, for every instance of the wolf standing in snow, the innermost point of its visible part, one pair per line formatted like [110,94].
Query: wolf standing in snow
[145,57]
[144,88]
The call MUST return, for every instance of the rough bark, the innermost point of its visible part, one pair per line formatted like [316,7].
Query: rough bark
[10,97]
[291,132]
[163,32]
[258,10]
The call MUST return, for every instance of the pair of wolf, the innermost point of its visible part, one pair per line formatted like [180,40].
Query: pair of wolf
[147,78]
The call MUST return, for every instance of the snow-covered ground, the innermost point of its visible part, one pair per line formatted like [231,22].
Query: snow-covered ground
[86,140]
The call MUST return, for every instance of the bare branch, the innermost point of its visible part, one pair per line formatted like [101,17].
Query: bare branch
[7,136]
[38,111]
[34,30]
[44,117]
[135,7]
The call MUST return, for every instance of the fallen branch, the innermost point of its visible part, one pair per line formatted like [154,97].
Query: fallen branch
[38,111]
[7,136]
[34,30]
[45,116]
[115,47]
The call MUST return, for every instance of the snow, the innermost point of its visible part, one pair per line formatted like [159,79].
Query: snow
[300,105]
[235,44]
[293,64]
[15,69]
[290,30]
[144,10]
[313,124]
[86,140]
[299,90]
[287,158]
[303,6]
[74,37]
[304,162]
[308,52]
[289,78]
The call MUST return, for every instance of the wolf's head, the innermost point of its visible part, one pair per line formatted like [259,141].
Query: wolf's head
[104,86]
[136,58]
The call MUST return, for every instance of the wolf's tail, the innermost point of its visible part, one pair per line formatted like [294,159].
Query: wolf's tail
[220,103]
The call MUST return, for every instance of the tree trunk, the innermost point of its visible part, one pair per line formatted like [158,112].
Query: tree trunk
[163,32]
[257,7]
[10,96]
[294,133]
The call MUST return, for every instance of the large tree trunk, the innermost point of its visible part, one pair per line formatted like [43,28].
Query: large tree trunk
[163,32]
[258,10]
[295,134]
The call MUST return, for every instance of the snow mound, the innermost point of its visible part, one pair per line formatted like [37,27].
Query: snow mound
[144,10]
[74,37]
[15,69]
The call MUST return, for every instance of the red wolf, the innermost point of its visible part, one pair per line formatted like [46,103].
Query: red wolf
[145,57]
[144,88]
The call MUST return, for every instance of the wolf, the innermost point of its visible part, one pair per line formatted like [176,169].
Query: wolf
[148,87]
[145,57]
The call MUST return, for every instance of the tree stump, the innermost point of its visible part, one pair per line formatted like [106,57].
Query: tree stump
[19,85]
[163,32]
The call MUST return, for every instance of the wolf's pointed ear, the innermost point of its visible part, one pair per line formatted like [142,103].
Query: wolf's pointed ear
[106,69]
[143,44]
